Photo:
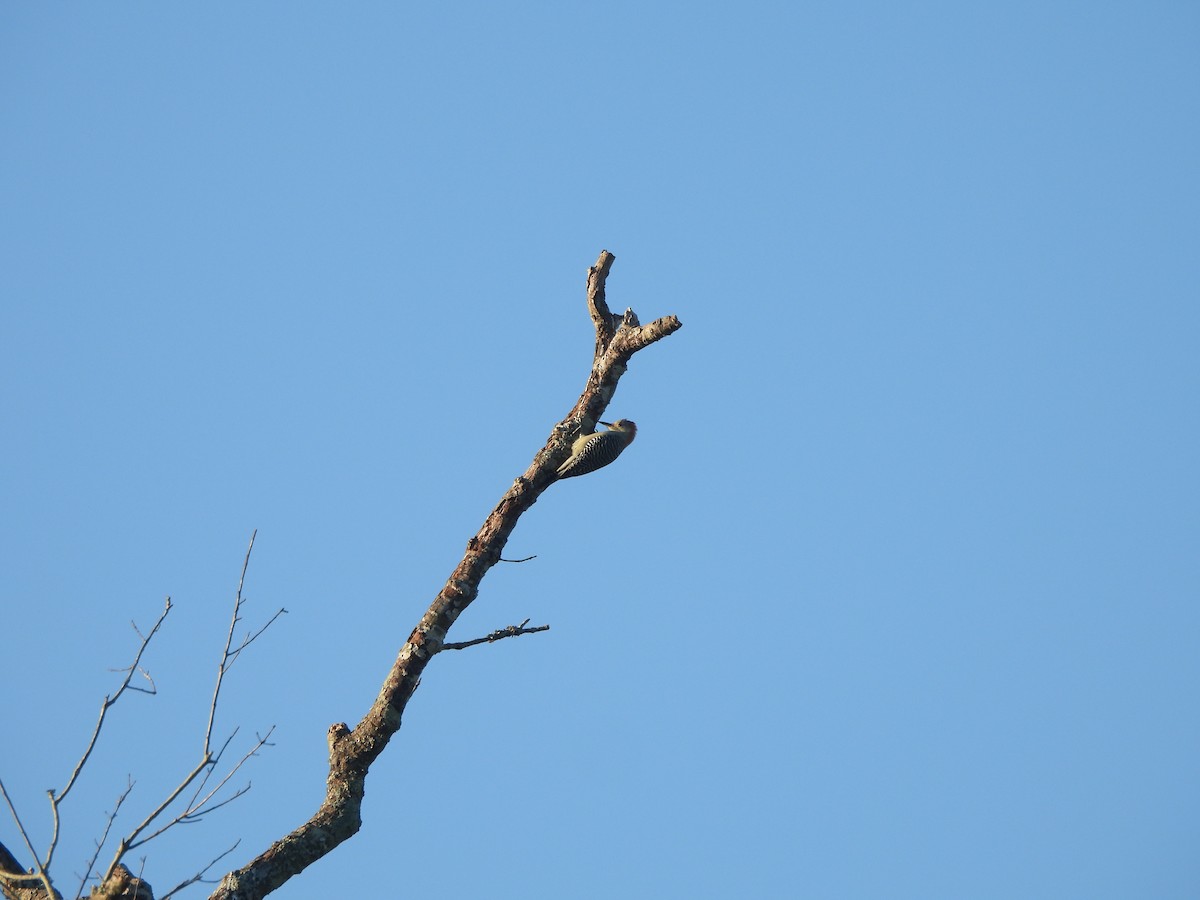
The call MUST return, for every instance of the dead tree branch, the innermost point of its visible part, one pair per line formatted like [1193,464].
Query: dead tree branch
[13,876]
[198,807]
[498,635]
[199,876]
[42,866]
[351,752]
[117,880]
[112,817]
[134,667]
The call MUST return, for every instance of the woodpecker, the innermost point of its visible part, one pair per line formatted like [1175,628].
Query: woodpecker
[595,451]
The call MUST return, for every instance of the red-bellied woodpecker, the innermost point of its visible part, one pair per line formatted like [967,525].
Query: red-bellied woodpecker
[594,451]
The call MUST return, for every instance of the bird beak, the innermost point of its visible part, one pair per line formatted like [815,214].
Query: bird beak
[609,424]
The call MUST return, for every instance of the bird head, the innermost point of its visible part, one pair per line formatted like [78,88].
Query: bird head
[625,426]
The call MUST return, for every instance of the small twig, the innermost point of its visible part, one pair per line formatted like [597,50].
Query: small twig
[40,872]
[249,639]
[497,635]
[212,768]
[109,701]
[152,690]
[56,798]
[57,826]
[199,876]
[131,841]
[228,656]
[103,838]
[195,807]
[526,559]
[222,667]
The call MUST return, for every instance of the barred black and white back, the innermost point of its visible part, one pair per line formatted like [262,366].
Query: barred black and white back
[595,451]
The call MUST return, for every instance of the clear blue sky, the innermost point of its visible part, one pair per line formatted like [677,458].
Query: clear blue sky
[897,594]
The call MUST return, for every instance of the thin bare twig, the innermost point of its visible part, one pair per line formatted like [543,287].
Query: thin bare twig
[40,869]
[249,639]
[212,768]
[196,808]
[109,701]
[498,635]
[222,667]
[112,816]
[199,876]
[202,801]
[195,816]
[526,559]
[57,825]
[57,797]
[131,840]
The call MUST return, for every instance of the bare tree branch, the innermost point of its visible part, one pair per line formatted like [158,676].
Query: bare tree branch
[250,638]
[131,839]
[353,751]
[42,867]
[498,635]
[135,666]
[117,879]
[103,838]
[212,768]
[12,878]
[208,759]
[602,319]
[199,876]
[197,807]
[228,657]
